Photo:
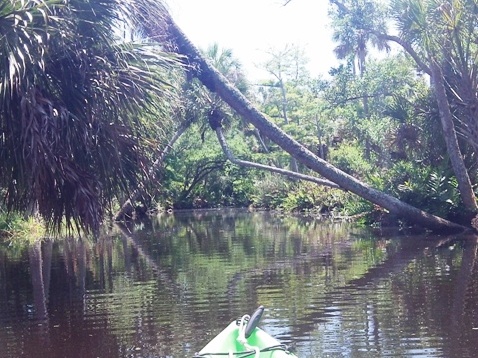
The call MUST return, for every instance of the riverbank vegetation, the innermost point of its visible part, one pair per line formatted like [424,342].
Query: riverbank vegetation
[17,229]
[92,116]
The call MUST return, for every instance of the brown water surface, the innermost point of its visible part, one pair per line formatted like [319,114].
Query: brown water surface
[165,289]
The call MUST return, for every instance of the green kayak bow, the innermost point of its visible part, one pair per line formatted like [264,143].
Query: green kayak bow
[242,338]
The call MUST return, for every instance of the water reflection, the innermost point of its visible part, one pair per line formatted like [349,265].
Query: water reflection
[164,289]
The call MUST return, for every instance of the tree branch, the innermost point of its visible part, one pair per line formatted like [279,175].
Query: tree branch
[199,174]
[408,48]
[341,6]
[288,173]
[350,99]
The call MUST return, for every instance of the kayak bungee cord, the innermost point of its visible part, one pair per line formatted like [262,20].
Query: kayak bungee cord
[243,354]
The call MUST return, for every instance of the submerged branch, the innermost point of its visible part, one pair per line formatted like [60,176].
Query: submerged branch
[227,151]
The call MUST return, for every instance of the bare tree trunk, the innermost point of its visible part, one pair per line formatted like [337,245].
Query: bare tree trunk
[288,173]
[215,82]
[293,162]
[451,140]
[284,100]
[361,66]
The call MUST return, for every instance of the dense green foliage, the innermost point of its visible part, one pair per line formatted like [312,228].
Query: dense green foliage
[325,116]
[374,117]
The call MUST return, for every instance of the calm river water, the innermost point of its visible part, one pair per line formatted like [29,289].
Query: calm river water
[165,289]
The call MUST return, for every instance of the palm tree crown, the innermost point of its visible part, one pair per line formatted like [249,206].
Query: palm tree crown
[74,99]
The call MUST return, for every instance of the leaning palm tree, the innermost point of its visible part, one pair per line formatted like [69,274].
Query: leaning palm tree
[74,99]
[441,37]
[194,106]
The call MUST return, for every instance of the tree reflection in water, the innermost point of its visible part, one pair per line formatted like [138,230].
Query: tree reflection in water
[166,288]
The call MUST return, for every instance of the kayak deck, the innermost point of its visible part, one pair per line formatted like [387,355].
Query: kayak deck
[259,345]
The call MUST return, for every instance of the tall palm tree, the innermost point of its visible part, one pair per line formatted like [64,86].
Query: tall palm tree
[73,103]
[441,38]
[226,63]
[352,22]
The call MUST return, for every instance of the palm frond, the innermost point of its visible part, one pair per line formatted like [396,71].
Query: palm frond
[77,105]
